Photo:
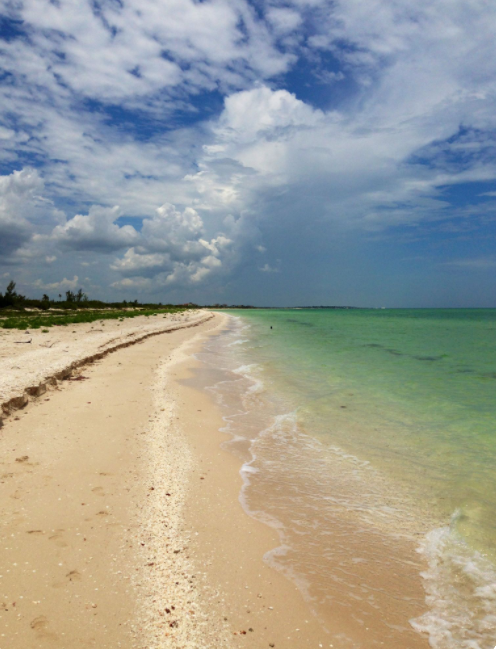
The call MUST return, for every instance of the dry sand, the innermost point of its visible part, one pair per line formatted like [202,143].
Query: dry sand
[74,491]
[28,359]
[120,522]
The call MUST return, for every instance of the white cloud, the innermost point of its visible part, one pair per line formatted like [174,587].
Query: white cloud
[133,284]
[269,269]
[65,284]
[283,20]
[117,51]
[95,231]
[19,206]
[270,168]
[134,263]
[6,133]
[478,263]
[251,114]
[172,249]
[173,231]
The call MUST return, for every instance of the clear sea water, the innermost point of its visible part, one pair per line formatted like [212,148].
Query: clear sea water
[366,434]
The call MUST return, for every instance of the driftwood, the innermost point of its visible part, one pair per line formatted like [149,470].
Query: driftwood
[22,342]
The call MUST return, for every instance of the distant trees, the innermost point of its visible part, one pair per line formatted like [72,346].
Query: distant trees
[45,302]
[76,297]
[11,297]
[81,297]
[72,301]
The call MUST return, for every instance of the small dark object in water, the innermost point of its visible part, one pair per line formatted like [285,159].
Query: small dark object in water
[394,352]
[271,326]
[428,358]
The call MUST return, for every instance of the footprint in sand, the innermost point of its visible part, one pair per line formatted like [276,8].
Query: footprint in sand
[40,626]
[74,575]
[57,538]
[99,491]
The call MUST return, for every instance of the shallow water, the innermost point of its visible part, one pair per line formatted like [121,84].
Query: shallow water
[366,434]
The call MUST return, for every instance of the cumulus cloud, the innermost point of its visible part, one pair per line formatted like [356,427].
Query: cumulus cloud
[283,20]
[19,205]
[133,284]
[64,284]
[387,106]
[339,166]
[95,231]
[172,249]
[251,114]
[115,51]
[175,232]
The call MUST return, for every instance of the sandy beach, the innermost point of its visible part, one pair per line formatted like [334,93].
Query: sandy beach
[121,525]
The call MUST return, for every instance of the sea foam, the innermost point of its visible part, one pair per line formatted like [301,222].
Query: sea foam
[460,586]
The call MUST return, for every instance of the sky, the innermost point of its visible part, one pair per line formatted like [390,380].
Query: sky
[296,152]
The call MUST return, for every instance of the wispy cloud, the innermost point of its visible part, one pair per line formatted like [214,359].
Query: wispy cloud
[269,269]
[479,263]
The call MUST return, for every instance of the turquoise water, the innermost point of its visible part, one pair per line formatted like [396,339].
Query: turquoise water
[377,425]
[426,379]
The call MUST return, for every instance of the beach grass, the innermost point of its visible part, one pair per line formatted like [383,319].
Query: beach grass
[23,320]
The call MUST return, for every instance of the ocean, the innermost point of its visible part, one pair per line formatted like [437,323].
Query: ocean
[368,440]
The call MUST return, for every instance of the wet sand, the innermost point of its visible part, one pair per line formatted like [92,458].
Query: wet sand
[252,594]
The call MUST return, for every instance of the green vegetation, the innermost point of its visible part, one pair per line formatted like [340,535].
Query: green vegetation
[19,312]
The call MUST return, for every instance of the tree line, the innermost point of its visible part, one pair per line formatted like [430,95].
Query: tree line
[11,299]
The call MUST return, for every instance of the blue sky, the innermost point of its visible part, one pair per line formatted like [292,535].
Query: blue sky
[265,152]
